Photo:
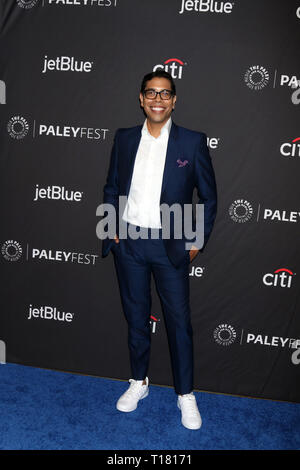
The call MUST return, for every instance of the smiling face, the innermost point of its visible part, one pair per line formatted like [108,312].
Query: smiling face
[158,111]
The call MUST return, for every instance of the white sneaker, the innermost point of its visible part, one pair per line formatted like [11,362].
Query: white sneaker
[129,400]
[190,416]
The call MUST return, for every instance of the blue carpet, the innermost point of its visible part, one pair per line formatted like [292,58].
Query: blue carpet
[42,409]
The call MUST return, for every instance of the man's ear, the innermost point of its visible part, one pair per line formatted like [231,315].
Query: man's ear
[174,101]
[141,100]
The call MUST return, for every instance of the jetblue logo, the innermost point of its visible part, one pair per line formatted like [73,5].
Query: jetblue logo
[66,64]
[205,6]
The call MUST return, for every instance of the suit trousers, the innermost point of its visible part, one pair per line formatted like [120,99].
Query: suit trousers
[135,260]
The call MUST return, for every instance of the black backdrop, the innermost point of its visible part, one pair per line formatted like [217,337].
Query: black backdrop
[235,66]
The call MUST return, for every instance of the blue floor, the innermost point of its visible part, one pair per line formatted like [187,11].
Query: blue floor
[42,409]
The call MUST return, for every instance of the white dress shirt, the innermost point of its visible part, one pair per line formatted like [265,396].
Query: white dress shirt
[143,204]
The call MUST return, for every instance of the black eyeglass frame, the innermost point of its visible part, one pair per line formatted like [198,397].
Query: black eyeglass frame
[158,93]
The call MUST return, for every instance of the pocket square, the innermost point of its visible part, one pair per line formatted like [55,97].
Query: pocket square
[182,163]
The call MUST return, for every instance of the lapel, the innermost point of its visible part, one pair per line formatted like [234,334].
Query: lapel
[172,150]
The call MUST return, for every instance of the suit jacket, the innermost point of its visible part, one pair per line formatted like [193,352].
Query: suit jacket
[179,179]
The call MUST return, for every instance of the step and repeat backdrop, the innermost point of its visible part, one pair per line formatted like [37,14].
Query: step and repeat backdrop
[70,73]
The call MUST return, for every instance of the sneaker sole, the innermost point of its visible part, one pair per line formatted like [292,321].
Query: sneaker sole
[132,409]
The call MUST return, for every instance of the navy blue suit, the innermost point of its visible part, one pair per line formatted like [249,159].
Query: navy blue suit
[178,182]
[166,259]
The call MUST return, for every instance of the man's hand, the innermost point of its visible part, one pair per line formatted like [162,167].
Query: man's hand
[193,252]
[116,238]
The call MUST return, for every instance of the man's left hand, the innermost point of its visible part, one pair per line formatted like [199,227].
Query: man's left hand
[193,252]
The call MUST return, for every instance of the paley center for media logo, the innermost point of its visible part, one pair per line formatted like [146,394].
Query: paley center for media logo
[173,66]
[280,215]
[206,6]
[12,251]
[258,77]
[273,341]
[18,128]
[241,211]
[27,4]
[225,335]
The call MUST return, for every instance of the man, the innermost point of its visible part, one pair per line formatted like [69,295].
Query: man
[153,164]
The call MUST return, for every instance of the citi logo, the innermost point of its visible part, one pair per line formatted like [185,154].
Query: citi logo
[173,66]
[153,323]
[57,193]
[49,313]
[66,64]
[204,6]
[298,12]
[280,278]
[291,149]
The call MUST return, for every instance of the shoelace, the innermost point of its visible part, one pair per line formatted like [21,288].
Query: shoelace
[189,404]
[134,388]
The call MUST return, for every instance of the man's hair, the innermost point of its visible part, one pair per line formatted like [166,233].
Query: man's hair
[160,74]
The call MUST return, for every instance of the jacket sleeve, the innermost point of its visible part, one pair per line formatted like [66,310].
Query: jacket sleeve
[205,183]
[111,187]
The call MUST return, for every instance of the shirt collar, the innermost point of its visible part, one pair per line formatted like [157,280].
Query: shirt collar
[164,132]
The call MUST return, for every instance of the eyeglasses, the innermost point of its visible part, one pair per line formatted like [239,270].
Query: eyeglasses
[151,94]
